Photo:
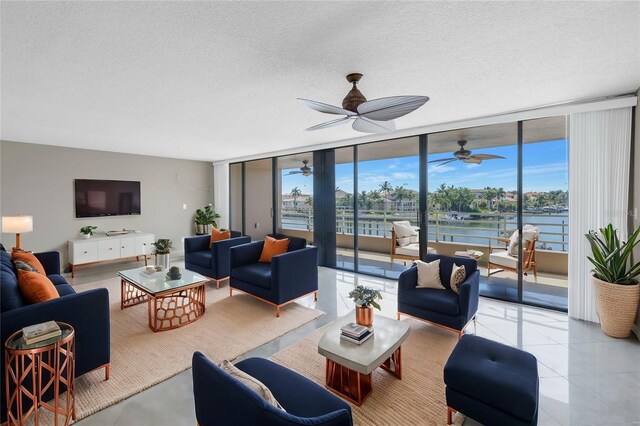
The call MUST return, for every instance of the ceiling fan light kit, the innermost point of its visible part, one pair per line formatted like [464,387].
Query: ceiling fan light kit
[375,116]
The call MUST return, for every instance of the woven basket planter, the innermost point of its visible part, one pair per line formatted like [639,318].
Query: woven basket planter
[616,306]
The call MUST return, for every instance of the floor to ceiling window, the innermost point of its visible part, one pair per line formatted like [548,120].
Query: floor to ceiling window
[479,185]
[545,184]
[258,198]
[388,188]
[344,202]
[295,195]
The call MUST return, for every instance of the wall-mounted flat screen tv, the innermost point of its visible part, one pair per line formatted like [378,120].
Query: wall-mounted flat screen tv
[96,198]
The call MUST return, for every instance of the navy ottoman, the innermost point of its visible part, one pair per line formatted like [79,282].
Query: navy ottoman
[492,383]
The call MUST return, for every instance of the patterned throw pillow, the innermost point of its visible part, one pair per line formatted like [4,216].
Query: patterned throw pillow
[458,274]
[22,265]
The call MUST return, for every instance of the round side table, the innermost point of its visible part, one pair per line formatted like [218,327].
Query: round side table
[32,370]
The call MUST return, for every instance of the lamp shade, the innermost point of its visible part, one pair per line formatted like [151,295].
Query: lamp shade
[17,224]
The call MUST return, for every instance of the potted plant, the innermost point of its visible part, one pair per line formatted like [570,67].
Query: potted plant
[163,248]
[365,299]
[616,288]
[87,231]
[205,217]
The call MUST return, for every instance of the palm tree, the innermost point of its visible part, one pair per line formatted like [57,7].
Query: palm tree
[295,193]
[489,195]
[374,197]
[400,193]
[386,188]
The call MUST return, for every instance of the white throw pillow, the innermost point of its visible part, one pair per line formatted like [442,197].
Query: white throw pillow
[529,233]
[403,228]
[251,382]
[404,241]
[429,274]
[458,274]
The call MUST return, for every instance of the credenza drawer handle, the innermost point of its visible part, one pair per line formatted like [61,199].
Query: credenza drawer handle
[85,252]
[110,248]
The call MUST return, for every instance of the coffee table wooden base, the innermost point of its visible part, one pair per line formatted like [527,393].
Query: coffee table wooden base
[354,386]
[169,310]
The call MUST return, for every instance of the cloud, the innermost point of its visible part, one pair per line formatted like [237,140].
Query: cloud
[440,169]
[404,175]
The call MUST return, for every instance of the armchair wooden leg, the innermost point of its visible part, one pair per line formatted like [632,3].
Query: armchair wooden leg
[107,370]
[315,296]
[277,311]
[398,316]
[475,325]
[230,291]
[450,415]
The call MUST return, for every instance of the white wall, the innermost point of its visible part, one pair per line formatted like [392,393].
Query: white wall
[38,180]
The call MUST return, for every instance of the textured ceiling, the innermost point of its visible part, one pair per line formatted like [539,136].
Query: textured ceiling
[218,80]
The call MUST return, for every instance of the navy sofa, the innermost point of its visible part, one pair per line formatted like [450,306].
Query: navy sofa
[222,400]
[289,276]
[492,383]
[211,259]
[443,307]
[87,312]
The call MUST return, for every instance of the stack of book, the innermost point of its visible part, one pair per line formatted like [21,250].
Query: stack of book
[354,333]
[40,332]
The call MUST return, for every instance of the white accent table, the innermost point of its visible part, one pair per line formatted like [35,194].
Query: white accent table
[349,366]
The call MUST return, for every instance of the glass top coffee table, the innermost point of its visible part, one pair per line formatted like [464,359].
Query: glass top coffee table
[349,366]
[171,303]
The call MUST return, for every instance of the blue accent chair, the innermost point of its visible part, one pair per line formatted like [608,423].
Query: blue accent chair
[288,277]
[442,307]
[492,383]
[87,312]
[211,260]
[222,400]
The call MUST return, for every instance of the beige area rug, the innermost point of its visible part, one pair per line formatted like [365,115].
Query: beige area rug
[141,358]
[417,399]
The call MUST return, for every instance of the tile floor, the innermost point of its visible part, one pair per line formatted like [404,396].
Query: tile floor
[586,378]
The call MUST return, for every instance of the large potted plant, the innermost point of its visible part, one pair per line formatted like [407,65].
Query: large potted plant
[163,248]
[204,219]
[616,288]
[365,299]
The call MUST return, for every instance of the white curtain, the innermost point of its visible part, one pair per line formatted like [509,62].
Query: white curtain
[221,193]
[599,158]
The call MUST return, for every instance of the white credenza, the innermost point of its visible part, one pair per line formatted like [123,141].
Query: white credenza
[104,248]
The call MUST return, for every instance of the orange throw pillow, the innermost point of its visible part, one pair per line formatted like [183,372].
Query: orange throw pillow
[217,235]
[35,287]
[25,256]
[273,247]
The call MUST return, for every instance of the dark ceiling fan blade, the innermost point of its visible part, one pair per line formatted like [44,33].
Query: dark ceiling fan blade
[326,108]
[362,124]
[442,159]
[385,109]
[486,156]
[447,162]
[294,173]
[331,123]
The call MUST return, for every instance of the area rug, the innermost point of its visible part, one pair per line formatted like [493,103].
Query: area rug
[417,399]
[141,358]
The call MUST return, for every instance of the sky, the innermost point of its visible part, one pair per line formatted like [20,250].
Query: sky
[545,169]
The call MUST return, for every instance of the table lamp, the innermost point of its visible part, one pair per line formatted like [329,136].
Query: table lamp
[18,225]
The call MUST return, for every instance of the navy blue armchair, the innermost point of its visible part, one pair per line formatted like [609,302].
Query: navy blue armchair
[288,277]
[222,400]
[87,312]
[211,259]
[442,307]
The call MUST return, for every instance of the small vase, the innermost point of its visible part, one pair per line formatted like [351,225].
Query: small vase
[364,316]
[86,236]
[162,260]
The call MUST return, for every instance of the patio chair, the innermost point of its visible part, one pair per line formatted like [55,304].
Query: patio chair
[404,242]
[507,259]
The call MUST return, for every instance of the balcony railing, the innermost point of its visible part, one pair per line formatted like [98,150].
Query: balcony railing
[481,228]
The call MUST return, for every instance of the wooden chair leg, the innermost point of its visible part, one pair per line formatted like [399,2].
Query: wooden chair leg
[398,316]
[277,311]
[230,291]
[315,296]
[107,371]
[450,415]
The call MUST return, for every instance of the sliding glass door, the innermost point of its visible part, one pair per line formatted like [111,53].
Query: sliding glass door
[258,198]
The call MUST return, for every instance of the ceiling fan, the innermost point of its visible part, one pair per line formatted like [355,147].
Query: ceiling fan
[375,116]
[305,170]
[465,155]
